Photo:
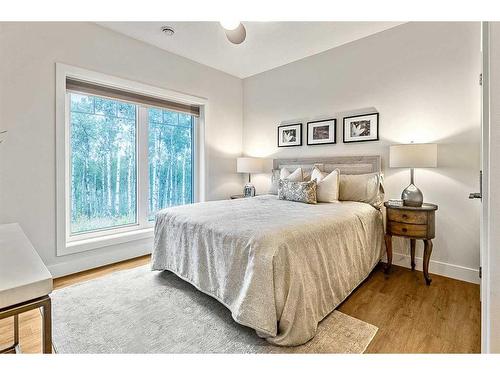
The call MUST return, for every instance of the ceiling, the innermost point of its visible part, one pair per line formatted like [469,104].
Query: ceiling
[267,46]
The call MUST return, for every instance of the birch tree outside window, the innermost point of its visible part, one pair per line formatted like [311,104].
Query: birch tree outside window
[104,158]
[170,159]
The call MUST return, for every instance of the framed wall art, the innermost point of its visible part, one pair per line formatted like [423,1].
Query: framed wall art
[361,128]
[290,135]
[322,132]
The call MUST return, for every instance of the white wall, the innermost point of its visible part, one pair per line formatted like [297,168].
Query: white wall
[28,53]
[423,79]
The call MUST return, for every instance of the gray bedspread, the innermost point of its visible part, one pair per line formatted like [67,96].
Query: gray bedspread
[280,267]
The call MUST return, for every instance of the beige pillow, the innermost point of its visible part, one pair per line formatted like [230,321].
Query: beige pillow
[297,191]
[367,188]
[328,185]
[296,175]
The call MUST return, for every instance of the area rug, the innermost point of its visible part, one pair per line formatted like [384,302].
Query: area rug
[140,311]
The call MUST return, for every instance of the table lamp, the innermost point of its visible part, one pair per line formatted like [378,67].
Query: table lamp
[249,165]
[413,155]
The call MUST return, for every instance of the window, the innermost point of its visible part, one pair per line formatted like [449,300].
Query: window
[125,155]
[170,159]
[103,163]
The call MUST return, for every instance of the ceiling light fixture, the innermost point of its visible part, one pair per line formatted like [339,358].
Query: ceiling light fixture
[235,31]
[229,24]
[167,30]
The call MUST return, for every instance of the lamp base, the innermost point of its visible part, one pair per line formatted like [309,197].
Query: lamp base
[249,190]
[412,196]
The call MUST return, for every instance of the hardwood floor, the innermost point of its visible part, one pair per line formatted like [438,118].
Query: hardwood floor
[412,317]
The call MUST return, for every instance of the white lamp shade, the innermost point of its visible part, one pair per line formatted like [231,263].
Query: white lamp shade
[249,165]
[423,155]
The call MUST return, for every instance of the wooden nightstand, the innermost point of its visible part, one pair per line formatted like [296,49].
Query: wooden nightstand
[415,223]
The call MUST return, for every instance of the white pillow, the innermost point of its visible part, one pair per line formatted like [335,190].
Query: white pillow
[296,176]
[328,185]
[367,188]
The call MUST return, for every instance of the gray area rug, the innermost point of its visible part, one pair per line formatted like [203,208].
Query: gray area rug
[140,311]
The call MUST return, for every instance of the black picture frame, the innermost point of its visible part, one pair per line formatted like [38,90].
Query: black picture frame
[356,116]
[290,126]
[323,143]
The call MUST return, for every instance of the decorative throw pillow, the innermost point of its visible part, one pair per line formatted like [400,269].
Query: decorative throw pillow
[297,191]
[284,174]
[307,173]
[296,175]
[367,188]
[328,185]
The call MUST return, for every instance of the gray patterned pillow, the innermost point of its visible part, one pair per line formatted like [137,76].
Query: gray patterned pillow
[297,191]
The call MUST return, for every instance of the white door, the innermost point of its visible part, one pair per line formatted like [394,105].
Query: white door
[490,235]
[483,194]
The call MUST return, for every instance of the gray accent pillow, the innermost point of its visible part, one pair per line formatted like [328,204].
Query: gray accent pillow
[297,191]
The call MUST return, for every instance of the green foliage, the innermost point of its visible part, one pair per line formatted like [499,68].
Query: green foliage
[103,162]
[170,159]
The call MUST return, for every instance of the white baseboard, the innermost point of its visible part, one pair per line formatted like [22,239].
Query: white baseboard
[439,268]
[94,261]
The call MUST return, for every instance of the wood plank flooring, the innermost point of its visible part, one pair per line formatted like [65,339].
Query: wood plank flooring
[412,318]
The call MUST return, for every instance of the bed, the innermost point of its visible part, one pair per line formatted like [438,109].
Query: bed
[280,267]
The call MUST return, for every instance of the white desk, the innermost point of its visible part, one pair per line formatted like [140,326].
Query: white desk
[25,282]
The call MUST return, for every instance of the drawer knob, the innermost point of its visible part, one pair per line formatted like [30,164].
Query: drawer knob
[405,216]
[405,230]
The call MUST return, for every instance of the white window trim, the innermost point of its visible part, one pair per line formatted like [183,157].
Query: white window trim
[143,229]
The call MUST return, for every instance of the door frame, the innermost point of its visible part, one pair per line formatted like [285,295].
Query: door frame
[484,220]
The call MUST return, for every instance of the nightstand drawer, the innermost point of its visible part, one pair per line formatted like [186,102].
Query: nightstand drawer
[415,223]
[407,216]
[409,230]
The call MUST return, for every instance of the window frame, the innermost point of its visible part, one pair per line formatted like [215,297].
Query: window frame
[143,228]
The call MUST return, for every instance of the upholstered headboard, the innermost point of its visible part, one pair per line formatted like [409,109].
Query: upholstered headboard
[346,164]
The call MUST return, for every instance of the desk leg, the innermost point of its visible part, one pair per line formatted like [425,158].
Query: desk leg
[412,251]
[47,327]
[427,257]
[14,348]
[388,245]
[16,330]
